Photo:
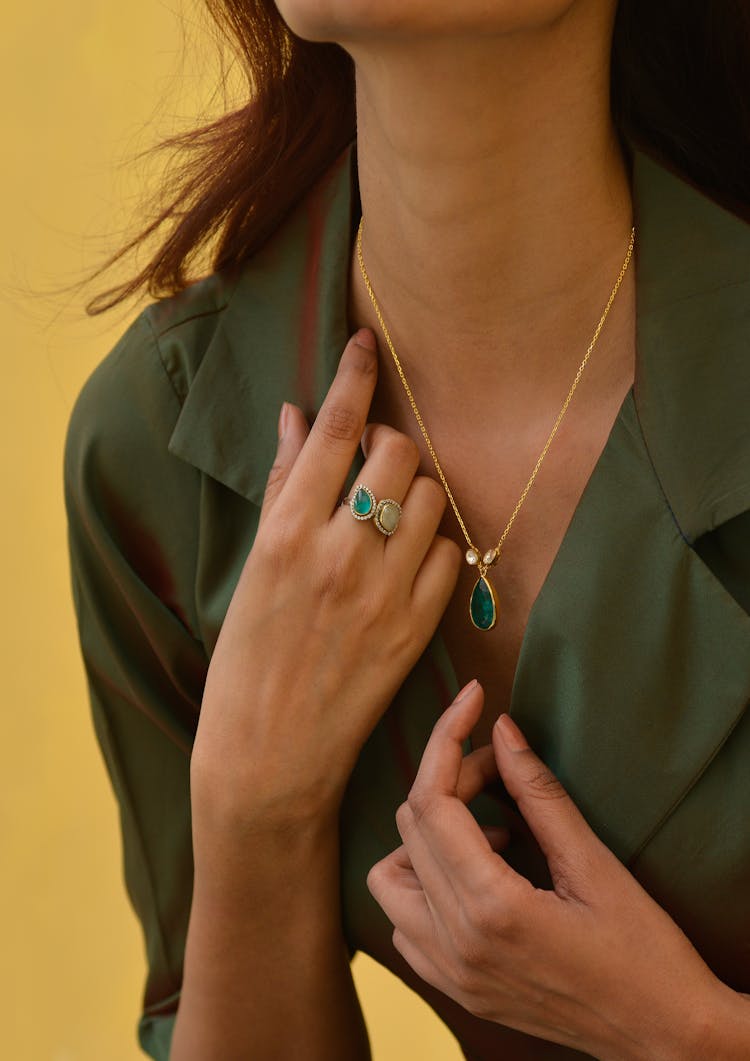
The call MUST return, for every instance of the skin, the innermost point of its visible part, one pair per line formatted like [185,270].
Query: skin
[494,200]
[490,181]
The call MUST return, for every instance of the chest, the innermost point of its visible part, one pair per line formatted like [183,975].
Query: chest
[488,461]
[486,503]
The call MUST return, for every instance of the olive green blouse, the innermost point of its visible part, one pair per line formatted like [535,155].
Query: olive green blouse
[634,672]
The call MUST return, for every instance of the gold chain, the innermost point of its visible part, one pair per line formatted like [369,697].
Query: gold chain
[493,554]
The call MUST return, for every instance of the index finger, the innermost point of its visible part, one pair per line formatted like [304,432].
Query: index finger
[447,826]
[320,470]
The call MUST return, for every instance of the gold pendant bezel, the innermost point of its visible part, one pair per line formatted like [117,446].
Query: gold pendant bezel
[493,599]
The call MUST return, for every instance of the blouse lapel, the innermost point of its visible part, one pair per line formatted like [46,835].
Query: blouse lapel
[693,382]
[279,339]
[635,665]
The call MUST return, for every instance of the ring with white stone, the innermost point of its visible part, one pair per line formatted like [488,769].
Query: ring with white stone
[385,514]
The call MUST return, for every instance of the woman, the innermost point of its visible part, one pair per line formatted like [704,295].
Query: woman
[271,680]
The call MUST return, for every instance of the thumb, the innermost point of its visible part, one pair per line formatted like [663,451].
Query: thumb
[567,840]
[293,430]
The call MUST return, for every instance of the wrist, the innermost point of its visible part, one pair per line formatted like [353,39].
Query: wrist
[715,1024]
[260,856]
[684,1024]
[722,1031]
[220,807]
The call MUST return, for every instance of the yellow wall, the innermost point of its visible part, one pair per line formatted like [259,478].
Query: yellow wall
[85,85]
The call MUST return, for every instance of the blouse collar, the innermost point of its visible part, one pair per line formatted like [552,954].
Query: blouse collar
[283,326]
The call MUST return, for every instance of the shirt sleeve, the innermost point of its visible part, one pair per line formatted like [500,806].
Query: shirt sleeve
[132,520]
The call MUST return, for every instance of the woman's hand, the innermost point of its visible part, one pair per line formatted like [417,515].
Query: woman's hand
[328,617]
[595,964]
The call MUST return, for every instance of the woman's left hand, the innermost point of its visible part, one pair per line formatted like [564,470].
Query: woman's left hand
[595,964]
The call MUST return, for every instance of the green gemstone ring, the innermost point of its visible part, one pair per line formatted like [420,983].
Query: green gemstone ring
[385,514]
[363,503]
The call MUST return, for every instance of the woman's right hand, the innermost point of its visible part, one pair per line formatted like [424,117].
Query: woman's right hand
[327,619]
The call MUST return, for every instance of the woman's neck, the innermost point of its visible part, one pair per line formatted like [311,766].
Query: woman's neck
[496,202]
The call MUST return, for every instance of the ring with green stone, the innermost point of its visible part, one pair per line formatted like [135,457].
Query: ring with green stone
[385,514]
[362,504]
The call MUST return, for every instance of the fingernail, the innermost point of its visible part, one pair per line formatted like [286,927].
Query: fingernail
[365,338]
[282,421]
[511,734]
[463,693]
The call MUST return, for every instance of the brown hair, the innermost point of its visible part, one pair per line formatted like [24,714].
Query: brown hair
[679,89]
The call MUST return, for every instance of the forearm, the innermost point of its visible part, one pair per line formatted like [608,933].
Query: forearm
[266,967]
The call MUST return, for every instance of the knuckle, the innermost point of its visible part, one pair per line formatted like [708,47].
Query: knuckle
[402,449]
[469,972]
[507,925]
[289,537]
[444,728]
[280,544]
[374,600]
[419,804]
[398,941]
[375,878]
[484,921]
[276,478]
[571,880]
[479,1006]
[404,818]
[401,639]
[468,965]
[360,359]
[480,919]
[336,577]
[450,550]
[433,487]
[337,424]
[543,784]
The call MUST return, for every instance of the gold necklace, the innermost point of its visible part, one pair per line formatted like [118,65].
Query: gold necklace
[482,602]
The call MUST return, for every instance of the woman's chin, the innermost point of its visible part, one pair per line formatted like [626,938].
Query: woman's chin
[342,20]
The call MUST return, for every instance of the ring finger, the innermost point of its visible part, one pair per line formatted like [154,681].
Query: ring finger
[423,509]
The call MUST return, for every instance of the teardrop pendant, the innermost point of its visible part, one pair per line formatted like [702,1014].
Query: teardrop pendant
[482,605]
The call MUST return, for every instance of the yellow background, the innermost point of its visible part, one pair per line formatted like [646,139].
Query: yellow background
[85,86]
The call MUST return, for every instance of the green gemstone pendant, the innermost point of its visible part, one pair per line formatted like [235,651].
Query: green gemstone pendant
[482,606]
